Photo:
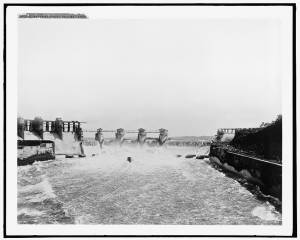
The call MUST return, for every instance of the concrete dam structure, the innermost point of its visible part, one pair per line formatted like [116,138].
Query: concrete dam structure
[38,128]
[40,140]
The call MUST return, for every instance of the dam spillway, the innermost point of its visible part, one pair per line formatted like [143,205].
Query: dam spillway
[157,187]
[66,137]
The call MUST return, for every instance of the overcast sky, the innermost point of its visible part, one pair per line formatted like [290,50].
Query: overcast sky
[188,76]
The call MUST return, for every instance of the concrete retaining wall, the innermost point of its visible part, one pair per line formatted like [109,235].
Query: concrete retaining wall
[31,148]
[35,150]
[68,144]
[266,174]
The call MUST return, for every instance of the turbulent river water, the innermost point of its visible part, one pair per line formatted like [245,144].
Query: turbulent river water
[157,187]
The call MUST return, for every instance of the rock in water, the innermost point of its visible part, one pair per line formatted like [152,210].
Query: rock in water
[190,156]
[129,159]
[202,156]
[178,155]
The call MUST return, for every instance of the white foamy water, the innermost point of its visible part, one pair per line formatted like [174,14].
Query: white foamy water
[266,212]
[31,212]
[157,187]
[67,145]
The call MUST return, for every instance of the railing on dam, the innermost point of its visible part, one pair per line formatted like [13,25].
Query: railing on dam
[233,130]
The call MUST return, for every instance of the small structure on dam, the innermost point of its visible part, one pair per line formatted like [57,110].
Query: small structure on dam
[234,130]
[37,127]
[99,137]
[142,135]
[120,135]
[163,136]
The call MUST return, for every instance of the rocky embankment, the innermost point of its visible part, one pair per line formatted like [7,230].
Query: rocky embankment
[255,155]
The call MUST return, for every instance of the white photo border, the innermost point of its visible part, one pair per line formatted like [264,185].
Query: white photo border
[285,12]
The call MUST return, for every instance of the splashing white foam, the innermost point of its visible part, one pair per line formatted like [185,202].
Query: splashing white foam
[30,212]
[82,219]
[157,187]
[67,145]
[41,191]
[266,212]
[144,160]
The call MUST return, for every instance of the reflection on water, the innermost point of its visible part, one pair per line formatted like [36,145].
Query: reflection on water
[157,187]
